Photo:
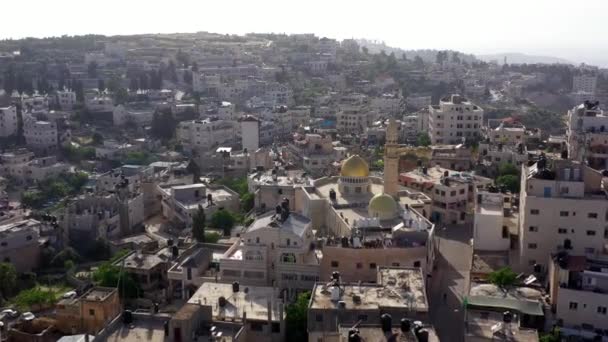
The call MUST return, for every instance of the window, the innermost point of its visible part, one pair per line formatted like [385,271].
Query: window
[592,215]
[534,211]
[453,193]
[591,233]
[289,258]
[3,244]
[573,305]
[319,317]
[92,312]
[362,318]
[288,242]
[334,263]
[372,266]
[276,327]
[256,326]
[505,232]
[359,265]
[533,229]
[601,310]
[562,231]
[416,263]
[257,239]
[563,213]
[395,264]
[28,238]
[532,246]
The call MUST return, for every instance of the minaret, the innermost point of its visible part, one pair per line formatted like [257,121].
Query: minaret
[391,159]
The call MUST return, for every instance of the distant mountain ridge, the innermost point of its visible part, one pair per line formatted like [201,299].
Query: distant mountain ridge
[428,55]
[522,58]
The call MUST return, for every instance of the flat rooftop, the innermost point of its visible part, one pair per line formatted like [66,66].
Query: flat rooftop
[18,226]
[375,333]
[148,330]
[98,294]
[147,261]
[479,326]
[250,299]
[487,262]
[396,288]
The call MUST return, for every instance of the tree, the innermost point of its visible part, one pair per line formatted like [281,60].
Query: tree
[198,225]
[418,62]
[423,139]
[247,202]
[224,220]
[510,182]
[553,336]
[507,169]
[503,277]
[110,275]
[296,318]
[163,126]
[8,279]
[97,138]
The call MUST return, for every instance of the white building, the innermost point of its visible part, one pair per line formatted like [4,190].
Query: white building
[454,119]
[40,135]
[66,99]
[206,134]
[491,225]
[562,208]
[584,83]
[587,135]
[250,133]
[8,121]
[100,103]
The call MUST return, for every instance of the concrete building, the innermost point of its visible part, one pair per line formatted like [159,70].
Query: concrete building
[454,157]
[256,308]
[453,120]
[205,135]
[40,136]
[15,163]
[149,270]
[578,288]
[562,207]
[19,244]
[353,120]
[314,153]
[493,222]
[99,103]
[66,99]
[89,313]
[418,101]
[584,83]
[399,292]
[181,202]
[275,250]
[452,192]
[587,135]
[271,187]
[8,121]
[250,133]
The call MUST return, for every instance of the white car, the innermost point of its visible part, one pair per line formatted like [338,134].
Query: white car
[28,316]
[10,312]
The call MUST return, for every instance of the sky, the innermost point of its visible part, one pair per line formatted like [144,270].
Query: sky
[574,30]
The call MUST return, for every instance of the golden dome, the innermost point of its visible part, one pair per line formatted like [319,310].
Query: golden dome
[382,206]
[354,166]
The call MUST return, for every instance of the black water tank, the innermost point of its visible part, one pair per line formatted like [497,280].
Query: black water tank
[387,322]
[353,335]
[406,325]
[170,242]
[335,275]
[235,287]
[166,327]
[507,316]
[127,317]
[222,301]
[156,308]
[175,251]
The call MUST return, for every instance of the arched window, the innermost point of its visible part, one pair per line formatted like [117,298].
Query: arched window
[288,258]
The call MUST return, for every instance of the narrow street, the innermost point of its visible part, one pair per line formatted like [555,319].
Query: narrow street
[452,279]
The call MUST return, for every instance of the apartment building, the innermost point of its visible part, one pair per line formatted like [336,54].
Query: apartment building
[353,120]
[8,121]
[370,247]
[579,294]
[399,293]
[274,250]
[40,136]
[511,134]
[418,101]
[271,187]
[453,120]
[452,192]
[206,134]
[584,83]
[35,104]
[250,133]
[14,163]
[387,104]
[493,221]
[88,313]
[312,152]
[99,103]
[587,135]
[66,99]
[181,202]
[19,244]
[562,207]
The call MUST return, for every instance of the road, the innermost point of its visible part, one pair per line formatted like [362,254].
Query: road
[452,279]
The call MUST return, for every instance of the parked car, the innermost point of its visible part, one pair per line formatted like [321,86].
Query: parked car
[28,316]
[10,313]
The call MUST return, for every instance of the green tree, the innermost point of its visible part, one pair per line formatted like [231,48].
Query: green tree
[8,279]
[553,336]
[110,275]
[67,254]
[423,139]
[198,225]
[224,220]
[296,318]
[510,182]
[503,277]
[508,169]
[247,202]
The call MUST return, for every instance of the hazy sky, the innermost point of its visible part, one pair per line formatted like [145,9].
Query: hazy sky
[575,30]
